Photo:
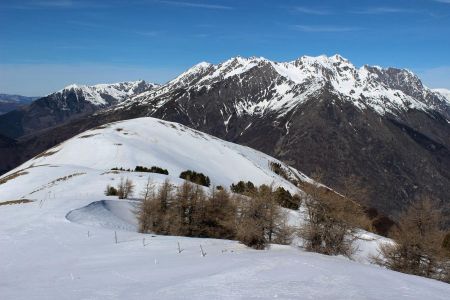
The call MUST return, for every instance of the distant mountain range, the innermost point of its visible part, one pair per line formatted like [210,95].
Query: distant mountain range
[380,126]
[12,102]
[73,101]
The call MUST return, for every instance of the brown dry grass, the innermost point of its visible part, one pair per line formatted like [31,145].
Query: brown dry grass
[11,202]
[88,136]
[56,181]
[46,153]
[12,176]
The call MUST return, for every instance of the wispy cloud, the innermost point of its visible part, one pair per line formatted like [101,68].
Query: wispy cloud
[383,10]
[56,4]
[86,24]
[325,28]
[98,26]
[313,11]
[196,5]
[377,10]
[150,33]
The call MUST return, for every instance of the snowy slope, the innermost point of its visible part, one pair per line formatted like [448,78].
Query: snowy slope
[62,245]
[443,92]
[152,142]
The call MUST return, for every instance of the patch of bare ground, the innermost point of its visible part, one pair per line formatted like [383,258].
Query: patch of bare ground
[46,153]
[88,135]
[12,176]
[12,202]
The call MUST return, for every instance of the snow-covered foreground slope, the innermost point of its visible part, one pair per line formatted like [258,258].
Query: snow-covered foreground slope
[45,256]
[62,245]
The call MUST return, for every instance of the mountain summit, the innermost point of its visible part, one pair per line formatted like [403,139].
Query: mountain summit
[283,85]
[380,125]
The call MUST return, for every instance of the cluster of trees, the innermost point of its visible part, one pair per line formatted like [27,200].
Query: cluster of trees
[331,221]
[253,216]
[124,189]
[198,178]
[380,223]
[278,169]
[120,169]
[254,219]
[420,246]
[153,169]
[282,196]
[243,187]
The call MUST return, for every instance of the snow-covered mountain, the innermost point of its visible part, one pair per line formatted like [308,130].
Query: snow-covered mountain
[318,113]
[69,103]
[104,94]
[381,125]
[73,242]
[288,84]
[443,92]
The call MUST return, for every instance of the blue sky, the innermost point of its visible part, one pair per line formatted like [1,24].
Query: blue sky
[47,44]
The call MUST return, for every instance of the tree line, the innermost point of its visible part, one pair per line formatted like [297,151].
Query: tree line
[255,218]
[330,223]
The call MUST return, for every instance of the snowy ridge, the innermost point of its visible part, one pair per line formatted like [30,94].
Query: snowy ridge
[101,94]
[444,93]
[152,142]
[385,90]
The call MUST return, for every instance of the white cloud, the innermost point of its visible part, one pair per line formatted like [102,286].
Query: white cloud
[313,11]
[325,28]
[55,4]
[384,10]
[196,5]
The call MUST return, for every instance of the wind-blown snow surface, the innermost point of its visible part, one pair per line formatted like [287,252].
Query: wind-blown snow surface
[62,245]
